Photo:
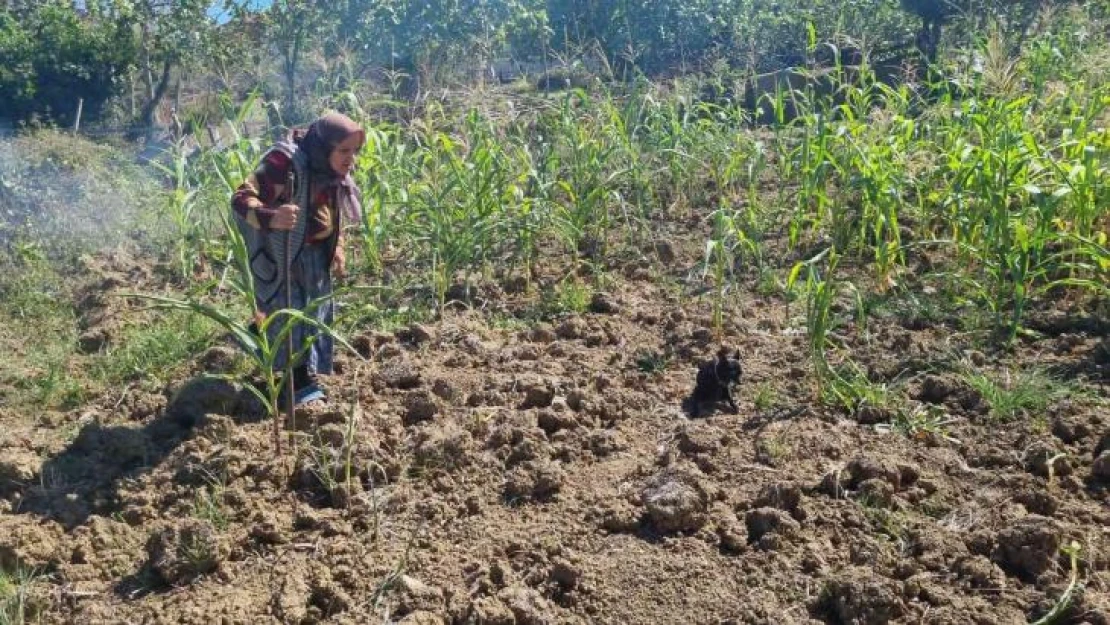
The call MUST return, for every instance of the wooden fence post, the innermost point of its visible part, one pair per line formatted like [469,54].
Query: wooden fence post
[77,120]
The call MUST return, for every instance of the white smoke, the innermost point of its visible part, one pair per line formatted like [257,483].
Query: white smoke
[68,195]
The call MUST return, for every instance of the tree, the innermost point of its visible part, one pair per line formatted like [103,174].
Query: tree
[656,35]
[417,35]
[171,35]
[1015,15]
[293,26]
[50,57]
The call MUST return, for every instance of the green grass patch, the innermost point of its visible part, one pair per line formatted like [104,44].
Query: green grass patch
[17,605]
[569,296]
[1013,395]
[651,361]
[38,324]
[152,353]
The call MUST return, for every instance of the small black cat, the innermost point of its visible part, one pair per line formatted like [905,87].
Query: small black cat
[715,381]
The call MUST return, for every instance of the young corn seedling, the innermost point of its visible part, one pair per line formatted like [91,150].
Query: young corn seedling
[813,164]
[530,209]
[719,260]
[724,250]
[17,606]
[1060,609]
[262,351]
[180,202]
[845,384]
[820,293]
[588,183]
[387,166]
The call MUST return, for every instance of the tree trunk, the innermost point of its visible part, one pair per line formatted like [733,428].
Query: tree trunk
[146,118]
[292,59]
[290,89]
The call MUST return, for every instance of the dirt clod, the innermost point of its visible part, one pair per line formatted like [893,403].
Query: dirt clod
[420,406]
[397,375]
[92,341]
[18,467]
[935,389]
[603,303]
[444,390]
[179,554]
[565,574]
[675,502]
[201,396]
[418,334]
[447,448]
[864,468]
[1029,547]
[219,359]
[876,492]
[528,606]
[422,617]
[764,521]
[572,328]
[37,546]
[787,497]
[535,480]
[664,249]
[1043,458]
[1100,469]
[859,597]
[538,394]
[980,572]
[414,595]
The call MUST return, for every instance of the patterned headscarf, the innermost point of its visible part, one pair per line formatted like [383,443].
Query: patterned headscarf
[317,142]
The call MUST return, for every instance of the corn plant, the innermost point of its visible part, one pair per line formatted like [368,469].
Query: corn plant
[813,165]
[17,607]
[262,351]
[180,205]
[387,165]
[820,293]
[672,129]
[530,209]
[626,129]
[1063,605]
[456,205]
[873,159]
[726,248]
[719,261]
[587,181]
[843,384]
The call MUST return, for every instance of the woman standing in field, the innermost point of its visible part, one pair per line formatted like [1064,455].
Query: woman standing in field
[294,203]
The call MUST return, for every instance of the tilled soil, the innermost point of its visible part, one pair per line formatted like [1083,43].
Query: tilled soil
[474,470]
